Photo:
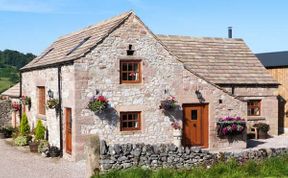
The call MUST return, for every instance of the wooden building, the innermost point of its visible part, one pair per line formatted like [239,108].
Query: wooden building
[277,65]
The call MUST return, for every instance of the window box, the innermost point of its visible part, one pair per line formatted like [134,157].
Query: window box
[230,126]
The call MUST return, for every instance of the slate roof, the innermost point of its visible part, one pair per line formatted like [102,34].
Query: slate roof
[274,59]
[219,60]
[13,92]
[62,49]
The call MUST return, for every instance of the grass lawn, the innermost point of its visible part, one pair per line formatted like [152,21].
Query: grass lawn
[272,167]
[5,83]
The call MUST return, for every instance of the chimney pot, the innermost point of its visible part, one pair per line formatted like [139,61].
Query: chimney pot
[229,32]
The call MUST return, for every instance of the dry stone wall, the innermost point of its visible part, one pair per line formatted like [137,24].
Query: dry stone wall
[122,156]
[5,113]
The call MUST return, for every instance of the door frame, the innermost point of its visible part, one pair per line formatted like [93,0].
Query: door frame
[205,121]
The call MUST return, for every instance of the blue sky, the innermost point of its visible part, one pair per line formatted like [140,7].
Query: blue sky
[31,25]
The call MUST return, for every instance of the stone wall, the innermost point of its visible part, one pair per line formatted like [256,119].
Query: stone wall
[49,79]
[5,113]
[269,104]
[169,156]
[161,71]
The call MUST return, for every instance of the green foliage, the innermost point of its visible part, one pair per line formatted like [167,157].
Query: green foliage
[15,58]
[262,126]
[272,167]
[10,62]
[24,125]
[21,140]
[7,131]
[39,131]
[43,146]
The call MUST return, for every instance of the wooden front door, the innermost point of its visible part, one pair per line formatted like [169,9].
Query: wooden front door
[68,130]
[195,125]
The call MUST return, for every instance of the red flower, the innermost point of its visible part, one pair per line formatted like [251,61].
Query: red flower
[102,99]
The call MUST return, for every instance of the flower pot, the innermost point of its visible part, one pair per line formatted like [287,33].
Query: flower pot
[262,134]
[33,147]
[177,136]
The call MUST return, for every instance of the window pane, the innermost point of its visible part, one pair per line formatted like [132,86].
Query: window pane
[194,114]
[124,76]
[136,67]
[124,67]
[124,125]
[135,124]
[130,67]
[124,117]
[130,124]
[130,117]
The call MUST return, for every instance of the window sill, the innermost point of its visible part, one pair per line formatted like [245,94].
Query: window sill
[130,132]
[255,118]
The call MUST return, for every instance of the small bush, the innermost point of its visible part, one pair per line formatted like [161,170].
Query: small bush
[21,140]
[7,131]
[24,125]
[43,146]
[39,131]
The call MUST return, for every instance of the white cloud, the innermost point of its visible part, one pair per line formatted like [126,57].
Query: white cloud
[25,6]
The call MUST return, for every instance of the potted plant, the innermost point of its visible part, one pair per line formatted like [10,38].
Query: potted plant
[52,103]
[98,104]
[262,129]
[23,138]
[7,131]
[54,151]
[177,133]
[39,135]
[168,104]
[43,147]
[230,126]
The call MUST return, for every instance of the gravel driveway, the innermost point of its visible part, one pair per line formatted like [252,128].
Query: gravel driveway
[15,162]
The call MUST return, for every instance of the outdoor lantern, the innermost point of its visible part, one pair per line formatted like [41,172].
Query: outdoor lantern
[50,93]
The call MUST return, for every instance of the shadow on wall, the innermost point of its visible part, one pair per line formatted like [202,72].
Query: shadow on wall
[281,114]
[175,114]
[110,115]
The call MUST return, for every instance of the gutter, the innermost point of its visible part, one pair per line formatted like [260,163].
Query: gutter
[60,109]
[20,95]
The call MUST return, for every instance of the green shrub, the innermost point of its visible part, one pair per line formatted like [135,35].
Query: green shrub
[21,140]
[43,146]
[24,125]
[39,131]
[7,131]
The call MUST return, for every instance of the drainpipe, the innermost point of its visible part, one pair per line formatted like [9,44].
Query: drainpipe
[60,110]
[20,95]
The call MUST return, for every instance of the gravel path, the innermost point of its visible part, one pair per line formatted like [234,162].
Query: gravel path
[16,162]
[274,142]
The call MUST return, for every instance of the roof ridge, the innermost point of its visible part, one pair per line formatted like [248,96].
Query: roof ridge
[275,52]
[199,37]
[122,15]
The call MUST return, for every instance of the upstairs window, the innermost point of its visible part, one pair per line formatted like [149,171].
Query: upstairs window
[130,71]
[254,108]
[130,121]
[41,100]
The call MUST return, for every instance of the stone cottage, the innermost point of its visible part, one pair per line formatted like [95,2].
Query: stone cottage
[135,70]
